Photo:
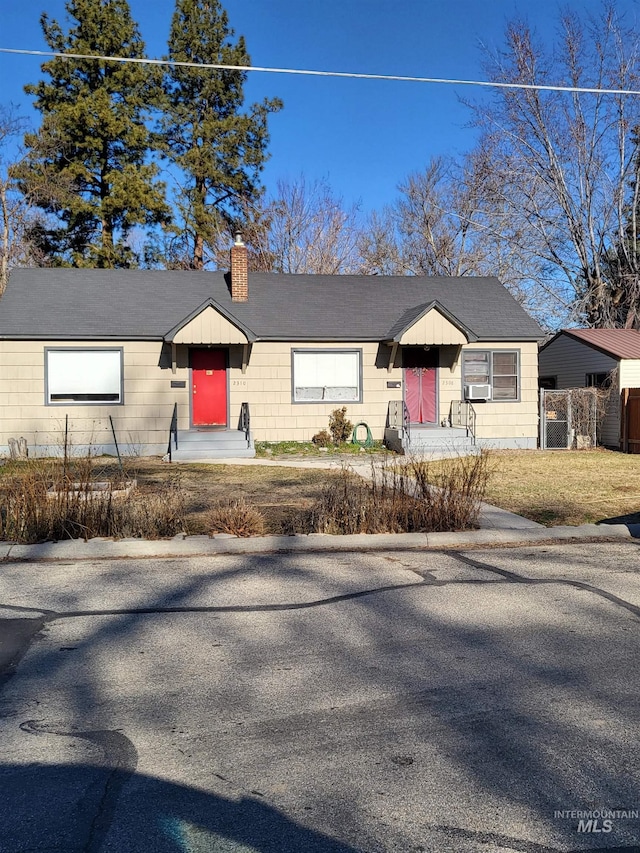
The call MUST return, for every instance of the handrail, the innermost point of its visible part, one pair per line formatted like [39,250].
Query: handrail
[173,430]
[245,422]
[471,422]
[398,417]
[463,416]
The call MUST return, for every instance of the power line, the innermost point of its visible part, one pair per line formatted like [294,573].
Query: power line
[315,73]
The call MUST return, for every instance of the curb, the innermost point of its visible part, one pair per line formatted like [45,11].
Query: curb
[199,546]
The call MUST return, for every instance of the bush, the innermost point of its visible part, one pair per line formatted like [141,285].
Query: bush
[236,517]
[41,500]
[411,497]
[322,439]
[339,426]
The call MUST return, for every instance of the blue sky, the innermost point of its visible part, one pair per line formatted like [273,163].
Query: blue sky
[363,136]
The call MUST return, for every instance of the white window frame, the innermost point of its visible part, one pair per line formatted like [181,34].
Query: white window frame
[326,396]
[491,353]
[80,391]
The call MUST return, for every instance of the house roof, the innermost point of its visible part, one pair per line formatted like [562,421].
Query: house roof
[82,304]
[619,343]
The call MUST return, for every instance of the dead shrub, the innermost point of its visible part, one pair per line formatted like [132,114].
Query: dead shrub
[236,517]
[415,496]
[340,426]
[44,500]
[322,439]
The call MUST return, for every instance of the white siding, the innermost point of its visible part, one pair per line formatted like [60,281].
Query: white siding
[630,373]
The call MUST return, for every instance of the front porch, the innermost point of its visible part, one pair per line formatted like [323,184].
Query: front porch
[458,436]
[198,444]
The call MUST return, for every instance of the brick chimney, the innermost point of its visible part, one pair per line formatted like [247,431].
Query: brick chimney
[239,271]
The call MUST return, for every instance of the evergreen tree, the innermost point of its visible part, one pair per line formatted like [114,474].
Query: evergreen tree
[88,164]
[219,149]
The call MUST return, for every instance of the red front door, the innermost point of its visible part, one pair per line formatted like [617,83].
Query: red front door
[420,395]
[209,387]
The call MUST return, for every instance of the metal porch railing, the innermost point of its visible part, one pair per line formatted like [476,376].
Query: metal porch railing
[173,430]
[463,416]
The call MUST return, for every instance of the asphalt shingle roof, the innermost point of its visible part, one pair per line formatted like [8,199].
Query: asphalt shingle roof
[129,304]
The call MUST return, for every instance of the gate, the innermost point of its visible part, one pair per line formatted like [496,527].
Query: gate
[631,420]
[555,420]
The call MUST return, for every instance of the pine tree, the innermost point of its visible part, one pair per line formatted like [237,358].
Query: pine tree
[88,165]
[219,149]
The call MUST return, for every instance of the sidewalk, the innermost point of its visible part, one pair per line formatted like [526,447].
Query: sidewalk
[497,527]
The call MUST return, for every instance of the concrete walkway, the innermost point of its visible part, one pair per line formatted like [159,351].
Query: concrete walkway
[497,527]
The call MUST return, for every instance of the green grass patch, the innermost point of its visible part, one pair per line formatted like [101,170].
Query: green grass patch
[271,450]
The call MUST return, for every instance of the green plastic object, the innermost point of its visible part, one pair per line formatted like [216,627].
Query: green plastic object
[365,442]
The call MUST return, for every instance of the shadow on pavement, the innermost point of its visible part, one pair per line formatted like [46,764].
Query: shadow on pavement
[93,808]
[631,520]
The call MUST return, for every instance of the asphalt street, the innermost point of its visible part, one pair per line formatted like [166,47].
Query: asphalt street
[434,701]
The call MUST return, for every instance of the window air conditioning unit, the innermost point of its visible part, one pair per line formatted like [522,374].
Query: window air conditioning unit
[477,392]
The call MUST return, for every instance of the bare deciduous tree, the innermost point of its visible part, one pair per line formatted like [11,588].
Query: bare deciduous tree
[16,216]
[302,228]
[566,164]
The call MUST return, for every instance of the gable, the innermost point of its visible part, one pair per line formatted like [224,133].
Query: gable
[433,328]
[430,324]
[208,327]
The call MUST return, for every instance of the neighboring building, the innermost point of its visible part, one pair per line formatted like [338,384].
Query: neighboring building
[132,344]
[582,358]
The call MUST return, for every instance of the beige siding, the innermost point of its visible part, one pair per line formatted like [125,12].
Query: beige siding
[143,420]
[433,329]
[505,420]
[570,361]
[266,386]
[210,327]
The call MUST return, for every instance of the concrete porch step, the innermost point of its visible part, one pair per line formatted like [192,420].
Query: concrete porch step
[438,440]
[194,445]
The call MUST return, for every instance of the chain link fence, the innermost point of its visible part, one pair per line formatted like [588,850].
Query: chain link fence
[571,418]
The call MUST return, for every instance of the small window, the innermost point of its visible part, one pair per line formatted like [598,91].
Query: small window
[91,376]
[331,376]
[499,369]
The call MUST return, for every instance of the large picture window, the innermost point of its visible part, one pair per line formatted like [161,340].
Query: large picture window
[497,369]
[83,376]
[332,376]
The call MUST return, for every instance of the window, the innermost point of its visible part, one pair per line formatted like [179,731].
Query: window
[83,376]
[498,369]
[332,376]
[597,380]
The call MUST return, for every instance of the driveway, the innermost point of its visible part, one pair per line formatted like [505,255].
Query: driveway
[480,700]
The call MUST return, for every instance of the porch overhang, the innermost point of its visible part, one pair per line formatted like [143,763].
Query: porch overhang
[210,324]
[430,325]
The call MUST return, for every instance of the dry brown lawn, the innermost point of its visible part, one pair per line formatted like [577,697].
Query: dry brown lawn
[551,487]
[279,493]
[566,487]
